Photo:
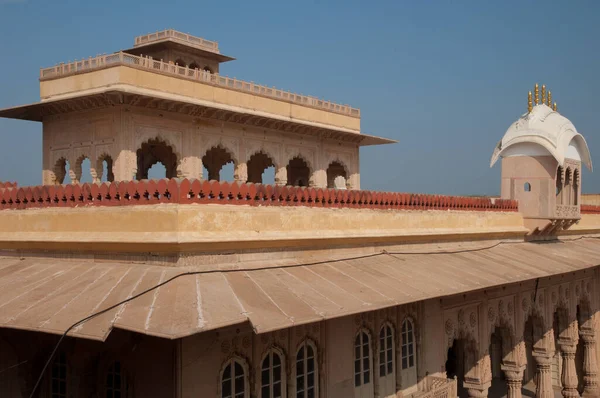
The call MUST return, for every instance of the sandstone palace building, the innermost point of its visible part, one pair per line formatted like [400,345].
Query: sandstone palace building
[114,284]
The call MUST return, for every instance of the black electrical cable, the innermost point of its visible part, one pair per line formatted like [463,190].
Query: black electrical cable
[381,253]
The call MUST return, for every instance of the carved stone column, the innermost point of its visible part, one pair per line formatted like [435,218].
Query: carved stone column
[281,176]
[514,380]
[241,173]
[543,376]
[590,365]
[569,373]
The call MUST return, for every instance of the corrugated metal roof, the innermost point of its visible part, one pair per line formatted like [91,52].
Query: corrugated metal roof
[49,295]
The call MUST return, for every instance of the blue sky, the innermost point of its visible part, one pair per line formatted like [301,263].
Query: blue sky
[444,78]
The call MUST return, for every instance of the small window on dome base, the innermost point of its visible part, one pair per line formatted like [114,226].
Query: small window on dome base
[527,187]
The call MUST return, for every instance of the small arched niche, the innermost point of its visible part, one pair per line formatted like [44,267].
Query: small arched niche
[337,175]
[215,160]
[298,172]
[152,152]
[258,164]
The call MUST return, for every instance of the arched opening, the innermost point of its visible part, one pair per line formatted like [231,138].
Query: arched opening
[59,373]
[152,152]
[500,348]
[61,171]
[116,382]
[559,185]
[215,160]
[180,62]
[257,165]
[104,169]
[207,69]
[234,379]
[527,187]
[84,169]
[408,357]
[533,335]
[576,187]
[158,171]
[363,380]
[336,176]
[568,189]
[272,375]
[455,364]
[194,65]
[298,172]
[387,363]
[307,371]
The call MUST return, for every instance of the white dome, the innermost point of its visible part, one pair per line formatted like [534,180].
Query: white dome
[543,130]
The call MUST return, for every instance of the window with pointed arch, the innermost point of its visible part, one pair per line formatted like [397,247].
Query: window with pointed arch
[408,344]
[234,379]
[362,359]
[386,350]
[307,372]
[59,379]
[272,375]
[116,382]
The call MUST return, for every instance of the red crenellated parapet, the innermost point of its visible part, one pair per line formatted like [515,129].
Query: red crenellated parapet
[589,209]
[7,184]
[186,191]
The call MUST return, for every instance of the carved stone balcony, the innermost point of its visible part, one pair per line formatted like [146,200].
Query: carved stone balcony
[438,387]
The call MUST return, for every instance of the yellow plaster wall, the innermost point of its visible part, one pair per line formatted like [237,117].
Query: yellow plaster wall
[163,83]
[172,227]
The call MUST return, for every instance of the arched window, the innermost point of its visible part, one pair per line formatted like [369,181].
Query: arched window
[59,379]
[104,169]
[576,187]
[257,165]
[307,373]
[567,187]
[527,187]
[336,176]
[362,359]
[559,185]
[193,65]
[180,62]
[298,172]
[408,344]
[156,151]
[234,379]
[207,69]
[215,161]
[387,368]
[408,372]
[272,375]
[83,170]
[116,382]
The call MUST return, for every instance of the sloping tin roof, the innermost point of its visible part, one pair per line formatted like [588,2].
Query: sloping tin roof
[49,295]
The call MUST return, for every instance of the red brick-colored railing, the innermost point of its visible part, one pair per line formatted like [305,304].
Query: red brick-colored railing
[6,184]
[197,191]
[589,209]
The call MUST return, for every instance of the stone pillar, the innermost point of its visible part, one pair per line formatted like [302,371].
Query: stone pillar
[514,380]
[281,176]
[125,166]
[590,365]
[569,373]
[543,376]
[190,167]
[240,174]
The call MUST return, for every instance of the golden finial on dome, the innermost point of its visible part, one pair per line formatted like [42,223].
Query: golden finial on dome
[550,98]
[543,94]
[555,107]
[537,94]
[529,105]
